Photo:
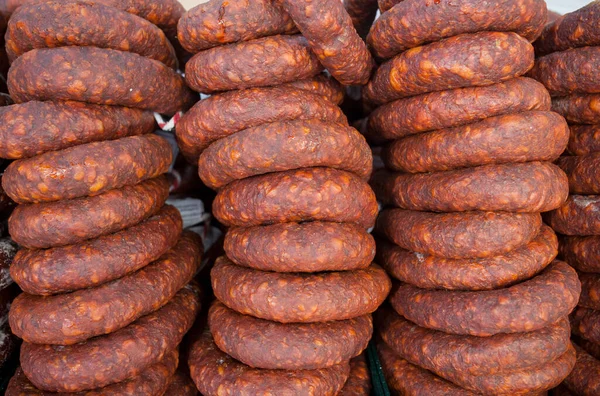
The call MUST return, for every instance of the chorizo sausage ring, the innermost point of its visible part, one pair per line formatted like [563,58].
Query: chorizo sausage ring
[305,247]
[181,385]
[333,38]
[214,371]
[584,139]
[87,170]
[94,262]
[582,253]
[152,381]
[412,23]
[224,114]
[526,306]
[81,23]
[583,174]
[299,298]
[527,136]
[73,221]
[282,146]
[72,73]
[590,347]
[384,5]
[405,378]
[359,380]
[321,194]
[455,107]
[34,128]
[578,109]
[110,306]
[114,357]
[578,216]
[261,62]
[295,346]
[525,187]
[431,272]
[569,72]
[584,379]
[572,30]
[458,62]
[220,22]
[322,85]
[590,291]
[444,353]
[458,235]
[585,323]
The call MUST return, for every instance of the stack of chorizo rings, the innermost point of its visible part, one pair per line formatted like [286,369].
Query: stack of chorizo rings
[480,306]
[297,286]
[568,56]
[104,265]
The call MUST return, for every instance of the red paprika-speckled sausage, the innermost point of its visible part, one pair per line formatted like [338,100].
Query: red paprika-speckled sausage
[586,324]
[71,73]
[583,174]
[384,5]
[589,347]
[359,381]
[329,30]
[224,114]
[322,85]
[583,253]
[115,357]
[34,128]
[462,61]
[91,263]
[81,23]
[527,187]
[574,29]
[363,13]
[214,371]
[222,22]
[323,194]
[110,306]
[152,381]
[585,377]
[578,109]
[456,107]
[257,63]
[458,235]
[584,139]
[578,216]
[431,272]
[162,13]
[87,170]
[305,247]
[530,305]
[404,378]
[445,353]
[182,385]
[570,71]
[590,291]
[72,221]
[299,298]
[522,137]
[282,146]
[412,22]
[295,346]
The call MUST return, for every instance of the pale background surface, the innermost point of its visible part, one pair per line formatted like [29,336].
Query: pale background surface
[561,6]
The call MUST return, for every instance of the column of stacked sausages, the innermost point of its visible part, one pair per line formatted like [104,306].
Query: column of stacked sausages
[104,265]
[297,288]
[481,307]
[569,55]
